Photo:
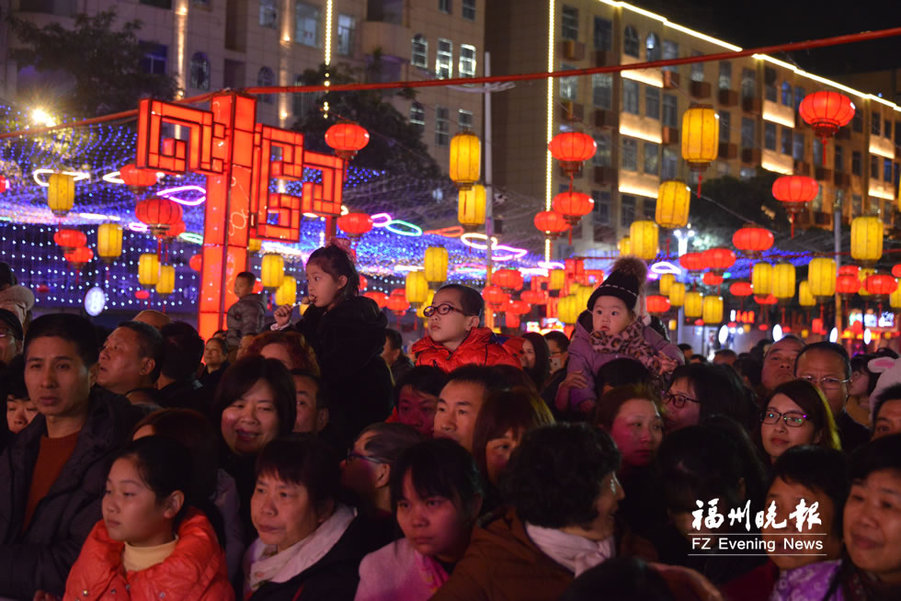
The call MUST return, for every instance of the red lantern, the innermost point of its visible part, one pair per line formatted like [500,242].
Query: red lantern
[741,289]
[355,224]
[719,259]
[136,178]
[174,231]
[881,284]
[571,148]
[849,270]
[712,279]
[79,257]
[347,139]
[493,295]
[397,301]
[551,223]
[42,289]
[70,239]
[4,184]
[693,261]
[364,283]
[535,297]
[847,284]
[508,279]
[769,299]
[657,305]
[380,298]
[196,262]
[142,294]
[753,240]
[896,270]
[159,214]
[573,205]
[826,111]
[794,192]
[816,326]
[518,307]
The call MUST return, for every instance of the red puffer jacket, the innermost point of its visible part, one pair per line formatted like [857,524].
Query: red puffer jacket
[195,571]
[479,347]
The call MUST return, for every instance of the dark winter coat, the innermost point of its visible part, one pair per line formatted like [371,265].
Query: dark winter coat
[243,318]
[40,557]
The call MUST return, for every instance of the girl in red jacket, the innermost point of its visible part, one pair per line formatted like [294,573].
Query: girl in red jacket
[150,544]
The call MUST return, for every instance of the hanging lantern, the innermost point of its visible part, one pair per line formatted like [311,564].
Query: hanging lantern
[896,270]
[346,139]
[159,214]
[364,283]
[794,192]
[60,193]
[70,239]
[881,285]
[426,303]
[493,295]
[355,224]
[666,282]
[894,299]
[254,245]
[571,149]
[783,286]
[435,262]
[805,296]
[847,285]
[821,277]
[165,285]
[573,206]
[849,270]
[712,310]
[677,294]
[508,279]
[175,230]
[380,298]
[826,111]
[79,257]
[416,287]
[272,271]
[556,279]
[765,299]
[753,241]
[762,278]
[692,261]
[693,304]
[719,259]
[741,289]
[517,307]
[712,279]
[148,270]
[551,223]
[657,305]
[471,206]
[136,178]
[568,309]
[109,242]
[534,297]
[866,239]
[465,159]
[700,138]
[286,294]
[196,262]
[862,275]
[624,246]
[644,239]
[673,200]
[397,303]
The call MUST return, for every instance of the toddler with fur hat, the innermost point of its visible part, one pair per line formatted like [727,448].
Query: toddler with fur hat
[611,328]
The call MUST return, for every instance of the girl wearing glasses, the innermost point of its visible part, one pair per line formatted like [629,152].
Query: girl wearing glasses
[796,414]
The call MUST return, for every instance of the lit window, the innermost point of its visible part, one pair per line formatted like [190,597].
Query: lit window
[603,34]
[444,60]
[799,96]
[786,145]
[697,69]
[346,27]
[569,25]
[725,80]
[155,58]
[630,41]
[467,60]
[652,47]
[649,209]
[420,52]
[630,154]
[798,146]
[769,135]
[200,71]
[670,165]
[652,103]
[307,24]
[464,119]
[748,83]
[602,205]
[651,158]
[876,124]
[630,97]
[604,155]
[786,93]
[602,90]
[725,126]
[748,133]
[417,115]
[442,126]
[670,50]
[268,13]
[569,86]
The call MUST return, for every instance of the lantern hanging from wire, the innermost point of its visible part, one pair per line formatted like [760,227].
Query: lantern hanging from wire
[136,178]
[397,302]
[718,259]
[69,239]
[573,206]
[794,192]
[571,148]
[254,245]
[693,261]
[148,270]
[508,279]
[556,279]
[379,298]
[694,302]
[493,295]
[471,206]
[673,201]
[465,159]
[665,282]
[881,285]
[805,296]
[847,285]
[79,257]
[551,223]
[783,279]
[355,224]
[712,278]
[866,239]
[657,304]
[286,293]
[568,309]
[677,294]
[159,214]
[821,277]
[60,193]
[826,111]
[272,270]
[624,246]
[430,296]
[196,262]
[109,242]
[712,310]
[346,139]
[894,299]
[741,289]
[435,263]
[416,287]
[165,285]
[534,297]
[700,139]
[896,270]
[753,241]
[762,278]
[644,239]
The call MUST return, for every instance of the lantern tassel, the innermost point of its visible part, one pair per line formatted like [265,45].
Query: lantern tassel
[823,140]
[791,219]
[700,180]
[570,234]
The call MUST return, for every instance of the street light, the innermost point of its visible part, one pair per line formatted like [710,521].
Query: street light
[40,116]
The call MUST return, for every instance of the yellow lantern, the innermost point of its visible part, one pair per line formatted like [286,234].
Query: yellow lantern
[821,277]
[805,296]
[417,287]
[624,246]
[60,193]
[254,245]
[644,239]
[866,239]
[677,294]
[568,309]
[428,301]
[762,279]
[894,299]
[694,304]
[672,325]
[746,328]
[465,159]
[272,271]
[700,137]
[148,270]
[783,281]
[582,294]
[286,293]
[673,198]
[666,281]
[109,242]
[471,206]
[166,284]
[556,279]
[712,310]
[435,265]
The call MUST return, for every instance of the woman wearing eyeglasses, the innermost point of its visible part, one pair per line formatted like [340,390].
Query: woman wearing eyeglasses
[796,414]
[698,391]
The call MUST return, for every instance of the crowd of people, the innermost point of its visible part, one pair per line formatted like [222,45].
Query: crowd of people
[311,458]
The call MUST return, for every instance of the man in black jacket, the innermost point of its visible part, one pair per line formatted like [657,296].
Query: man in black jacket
[54,472]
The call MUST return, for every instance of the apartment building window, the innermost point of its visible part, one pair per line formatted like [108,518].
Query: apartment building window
[839,163]
[266,77]
[799,96]
[167,4]
[346,27]
[569,86]
[697,69]
[630,41]
[602,90]
[856,205]
[798,146]
[307,24]
[630,97]
[786,146]
[857,122]
[630,154]
[725,79]
[748,83]
[725,126]
[669,166]
[417,115]
[670,110]
[602,205]
[200,71]
[769,135]
[445,6]
[652,47]
[444,59]
[467,60]
[770,92]
[268,14]
[442,126]
[155,58]
[419,56]
[670,50]
[856,162]
[651,158]
[603,34]
[886,170]
[652,102]
[569,25]
[469,10]
[464,119]
[876,124]
[626,210]
[746,173]
[604,155]
[817,152]
[874,167]
[786,94]
[748,137]
[649,209]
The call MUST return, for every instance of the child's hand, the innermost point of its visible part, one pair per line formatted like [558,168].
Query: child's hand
[667,364]
[44,596]
[574,379]
[283,315]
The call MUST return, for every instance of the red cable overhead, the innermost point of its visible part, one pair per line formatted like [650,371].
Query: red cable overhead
[863,36]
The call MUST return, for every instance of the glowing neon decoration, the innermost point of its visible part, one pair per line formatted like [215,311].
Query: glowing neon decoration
[137,226]
[98,217]
[551,265]
[403,228]
[381,219]
[76,175]
[171,193]
[664,267]
[191,238]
